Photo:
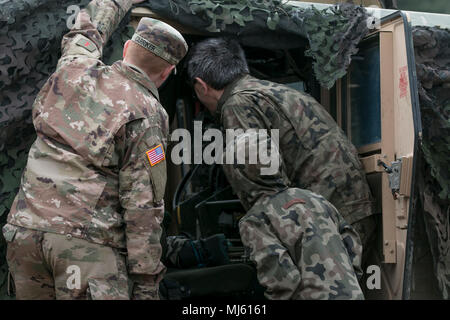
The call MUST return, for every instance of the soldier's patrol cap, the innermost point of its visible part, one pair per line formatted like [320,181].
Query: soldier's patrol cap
[161,39]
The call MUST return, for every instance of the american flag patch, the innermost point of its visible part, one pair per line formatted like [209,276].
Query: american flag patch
[156,155]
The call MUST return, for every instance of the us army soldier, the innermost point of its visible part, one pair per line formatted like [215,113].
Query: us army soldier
[302,247]
[86,220]
[315,154]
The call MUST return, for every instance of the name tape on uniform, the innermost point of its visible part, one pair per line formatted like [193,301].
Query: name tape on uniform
[87,44]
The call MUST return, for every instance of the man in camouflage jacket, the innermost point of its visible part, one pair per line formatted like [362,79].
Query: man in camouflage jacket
[302,247]
[86,220]
[315,154]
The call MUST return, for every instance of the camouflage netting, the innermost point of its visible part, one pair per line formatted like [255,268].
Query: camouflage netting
[432,53]
[332,34]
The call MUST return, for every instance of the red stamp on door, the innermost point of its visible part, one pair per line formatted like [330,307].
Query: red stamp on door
[403,82]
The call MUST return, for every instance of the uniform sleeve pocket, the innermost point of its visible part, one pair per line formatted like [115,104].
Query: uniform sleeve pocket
[154,154]
[158,176]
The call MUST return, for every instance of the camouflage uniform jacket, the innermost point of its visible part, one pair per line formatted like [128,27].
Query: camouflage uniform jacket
[302,247]
[315,153]
[87,174]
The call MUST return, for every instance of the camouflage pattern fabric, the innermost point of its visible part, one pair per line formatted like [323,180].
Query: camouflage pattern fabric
[332,33]
[51,266]
[146,287]
[302,247]
[30,38]
[314,152]
[332,55]
[91,173]
[161,39]
[436,218]
[432,54]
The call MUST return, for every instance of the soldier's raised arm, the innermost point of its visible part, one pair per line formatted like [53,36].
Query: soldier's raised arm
[92,29]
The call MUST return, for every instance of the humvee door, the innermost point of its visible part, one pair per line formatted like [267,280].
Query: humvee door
[376,104]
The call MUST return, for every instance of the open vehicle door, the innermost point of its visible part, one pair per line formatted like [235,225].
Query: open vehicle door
[377,106]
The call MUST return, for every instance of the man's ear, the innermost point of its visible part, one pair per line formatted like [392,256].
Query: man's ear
[167,72]
[203,86]
[125,48]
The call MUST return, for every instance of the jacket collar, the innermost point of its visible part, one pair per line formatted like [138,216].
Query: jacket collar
[228,92]
[135,73]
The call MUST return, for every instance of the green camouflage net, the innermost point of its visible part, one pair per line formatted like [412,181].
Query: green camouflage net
[432,53]
[332,34]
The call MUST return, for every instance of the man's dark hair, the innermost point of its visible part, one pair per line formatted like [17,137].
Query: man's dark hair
[217,61]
